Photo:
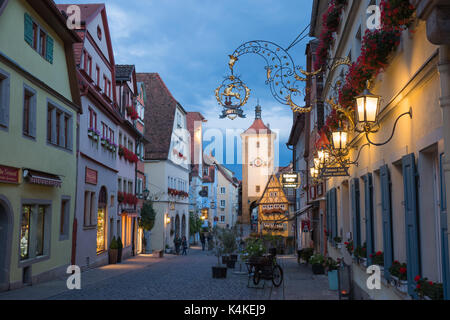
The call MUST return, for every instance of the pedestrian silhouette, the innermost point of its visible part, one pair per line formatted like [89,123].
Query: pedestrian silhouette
[203,241]
[184,245]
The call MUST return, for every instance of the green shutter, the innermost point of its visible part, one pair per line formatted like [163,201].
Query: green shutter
[386,207]
[411,221]
[33,115]
[28,29]
[49,48]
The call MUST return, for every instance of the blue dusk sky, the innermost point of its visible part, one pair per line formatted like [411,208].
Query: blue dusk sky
[188,42]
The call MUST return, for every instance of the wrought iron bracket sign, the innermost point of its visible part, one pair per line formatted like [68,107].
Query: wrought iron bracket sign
[285,79]
[338,171]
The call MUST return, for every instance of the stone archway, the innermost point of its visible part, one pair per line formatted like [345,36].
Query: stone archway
[183,226]
[177,226]
[6,224]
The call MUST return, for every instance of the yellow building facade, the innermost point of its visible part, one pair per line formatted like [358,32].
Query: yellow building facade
[39,108]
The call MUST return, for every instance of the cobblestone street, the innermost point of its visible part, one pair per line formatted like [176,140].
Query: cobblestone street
[179,278]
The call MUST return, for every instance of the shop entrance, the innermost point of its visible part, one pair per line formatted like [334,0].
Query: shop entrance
[5,244]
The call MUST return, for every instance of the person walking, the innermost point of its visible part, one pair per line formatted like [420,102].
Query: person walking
[184,245]
[203,241]
[177,243]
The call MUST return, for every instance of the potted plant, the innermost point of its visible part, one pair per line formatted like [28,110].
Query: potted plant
[254,250]
[307,254]
[394,272]
[318,264]
[119,249]
[229,246]
[349,247]
[361,253]
[378,259]
[112,253]
[218,271]
[337,241]
[428,290]
[332,267]
[402,283]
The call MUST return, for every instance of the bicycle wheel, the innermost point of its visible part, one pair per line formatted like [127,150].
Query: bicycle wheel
[256,276]
[277,278]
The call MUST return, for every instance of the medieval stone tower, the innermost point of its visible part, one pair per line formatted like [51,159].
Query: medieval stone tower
[257,163]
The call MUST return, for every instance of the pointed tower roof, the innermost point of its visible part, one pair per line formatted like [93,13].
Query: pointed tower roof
[258,125]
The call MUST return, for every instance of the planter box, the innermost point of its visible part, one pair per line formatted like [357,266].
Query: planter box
[112,255]
[318,269]
[219,272]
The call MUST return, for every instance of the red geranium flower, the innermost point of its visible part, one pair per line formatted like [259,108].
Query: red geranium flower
[417,278]
[402,270]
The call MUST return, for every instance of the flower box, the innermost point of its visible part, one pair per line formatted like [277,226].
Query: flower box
[394,281]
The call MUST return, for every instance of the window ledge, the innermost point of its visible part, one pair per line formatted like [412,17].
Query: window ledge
[89,227]
[30,261]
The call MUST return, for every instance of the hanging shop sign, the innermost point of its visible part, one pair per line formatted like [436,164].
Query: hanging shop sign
[340,171]
[274,226]
[9,175]
[306,225]
[291,180]
[91,176]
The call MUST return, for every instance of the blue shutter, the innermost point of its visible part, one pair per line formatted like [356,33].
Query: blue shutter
[333,217]
[356,212]
[49,49]
[444,234]
[411,220]
[386,208]
[328,213]
[368,209]
[29,29]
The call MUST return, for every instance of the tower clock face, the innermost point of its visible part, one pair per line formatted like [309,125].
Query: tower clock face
[258,162]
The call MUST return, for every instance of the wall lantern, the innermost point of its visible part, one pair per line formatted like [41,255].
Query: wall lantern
[340,138]
[368,106]
[167,219]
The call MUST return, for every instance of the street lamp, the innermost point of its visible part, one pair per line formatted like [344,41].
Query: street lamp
[146,193]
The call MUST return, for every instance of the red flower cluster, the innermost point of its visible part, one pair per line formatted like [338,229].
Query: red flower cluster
[127,198]
[331,21]
[128,154]
[175,192]
[132,113]
[396,14]
[376,47]
[331,123]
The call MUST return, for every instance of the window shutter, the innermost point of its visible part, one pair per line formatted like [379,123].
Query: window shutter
[70,134]
[333,195]
[368,209]
[411,221]
[356,212]
[28,29]
[62,140]
[444,234]
[386,208]
[33,120]
[49,48]
[4,102]
[328,214]
[54,125]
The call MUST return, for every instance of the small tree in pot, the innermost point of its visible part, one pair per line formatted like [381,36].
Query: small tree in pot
[112,253]
[119,249]
[229,246]
[147,222]
[318,264]
[219,271]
